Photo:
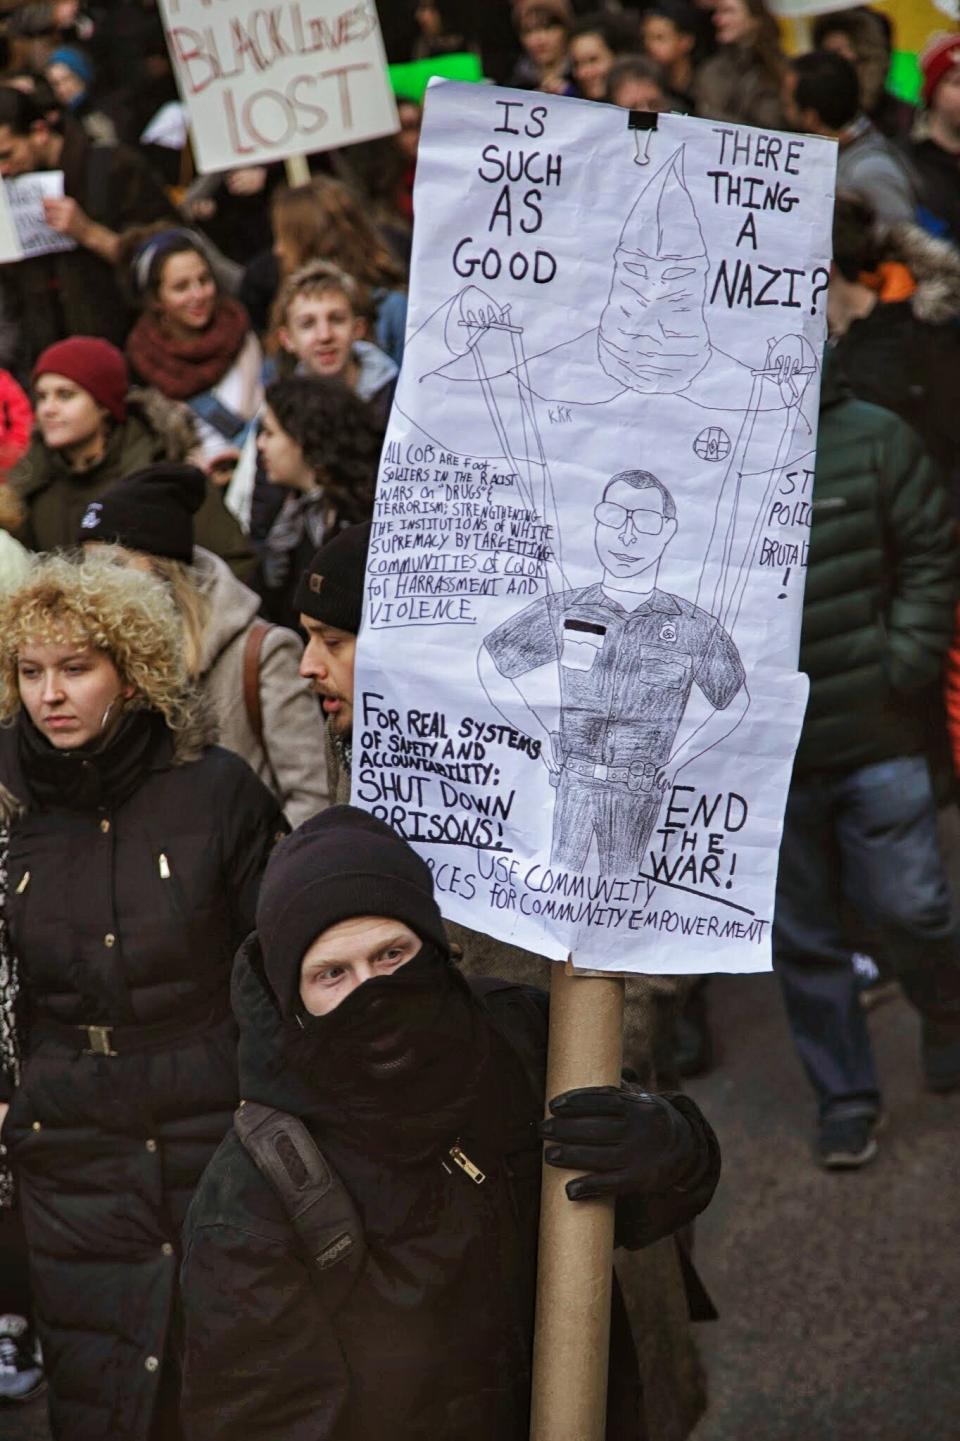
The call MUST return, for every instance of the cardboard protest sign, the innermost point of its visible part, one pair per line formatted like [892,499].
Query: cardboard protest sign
[263,83]
[577,691]
[26,194]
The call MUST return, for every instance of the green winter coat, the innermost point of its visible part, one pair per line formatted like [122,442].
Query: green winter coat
[155,429]
[882,583]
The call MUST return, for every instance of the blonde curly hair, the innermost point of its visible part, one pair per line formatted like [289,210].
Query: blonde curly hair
[128,615]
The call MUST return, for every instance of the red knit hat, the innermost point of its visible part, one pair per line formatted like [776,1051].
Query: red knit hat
[941,55]
[95,365]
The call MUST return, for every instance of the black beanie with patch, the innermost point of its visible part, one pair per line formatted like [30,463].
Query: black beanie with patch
[330,590]
[150,510]
[339,864]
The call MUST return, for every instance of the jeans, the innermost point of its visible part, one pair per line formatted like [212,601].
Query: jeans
[868,836]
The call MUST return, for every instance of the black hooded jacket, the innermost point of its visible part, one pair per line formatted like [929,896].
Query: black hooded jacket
[435,1338]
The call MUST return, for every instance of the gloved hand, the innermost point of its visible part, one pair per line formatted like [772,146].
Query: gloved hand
[627,1141]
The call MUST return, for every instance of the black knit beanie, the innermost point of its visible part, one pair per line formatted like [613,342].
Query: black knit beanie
[331,588]
[340,864]
[150,510]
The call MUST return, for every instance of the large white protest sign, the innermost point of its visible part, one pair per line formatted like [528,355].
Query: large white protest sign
[26,194]
[577,692]
[263,82]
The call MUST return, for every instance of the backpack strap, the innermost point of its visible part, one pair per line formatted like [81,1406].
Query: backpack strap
[252,647]
[321,1212]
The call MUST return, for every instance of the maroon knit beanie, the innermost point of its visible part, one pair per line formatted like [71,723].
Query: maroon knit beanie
[940,55]
[95,365]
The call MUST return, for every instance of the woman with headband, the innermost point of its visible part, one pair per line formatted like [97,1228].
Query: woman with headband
[194,344]
[132,851]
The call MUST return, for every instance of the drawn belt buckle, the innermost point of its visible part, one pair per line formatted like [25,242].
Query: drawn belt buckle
[100,1041]
[600,772]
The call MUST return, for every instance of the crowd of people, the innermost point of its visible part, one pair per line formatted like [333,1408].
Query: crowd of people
[272,1130]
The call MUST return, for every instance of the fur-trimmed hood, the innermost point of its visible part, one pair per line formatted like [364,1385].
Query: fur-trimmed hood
[935,267]
[155,428]
[170,419]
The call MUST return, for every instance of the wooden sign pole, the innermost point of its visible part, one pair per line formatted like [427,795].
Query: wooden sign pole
[298,170]
[572,1332]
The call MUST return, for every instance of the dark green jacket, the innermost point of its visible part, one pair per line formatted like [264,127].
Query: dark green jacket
[155,429]
[882,583]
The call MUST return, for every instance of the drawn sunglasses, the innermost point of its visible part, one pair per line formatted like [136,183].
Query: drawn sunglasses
[649,522]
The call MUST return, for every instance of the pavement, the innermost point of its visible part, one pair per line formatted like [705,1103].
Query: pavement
[839,1294]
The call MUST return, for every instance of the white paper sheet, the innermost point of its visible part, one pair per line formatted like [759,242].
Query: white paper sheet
[265,82]
[26,194]
[577,691]
[10,247]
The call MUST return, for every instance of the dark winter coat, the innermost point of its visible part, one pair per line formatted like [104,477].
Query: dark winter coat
[155,429]
[74,292]
[938,179]
[882,583]
[435,1338]
[905,355]
[661,1289]
[126,911]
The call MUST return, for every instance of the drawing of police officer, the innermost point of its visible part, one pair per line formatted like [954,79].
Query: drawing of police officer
[626,656]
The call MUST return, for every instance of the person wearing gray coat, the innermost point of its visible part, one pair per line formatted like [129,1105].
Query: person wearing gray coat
[247,670]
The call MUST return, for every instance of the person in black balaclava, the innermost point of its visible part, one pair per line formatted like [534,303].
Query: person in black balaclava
[413,1317]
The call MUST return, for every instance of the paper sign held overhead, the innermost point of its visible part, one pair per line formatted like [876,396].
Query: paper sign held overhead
[265,82]
[577,690]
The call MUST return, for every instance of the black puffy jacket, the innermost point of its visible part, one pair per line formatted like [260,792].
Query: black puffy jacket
[124,910]
[435,1338]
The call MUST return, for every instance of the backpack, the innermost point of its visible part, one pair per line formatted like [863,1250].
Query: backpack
[321,1211]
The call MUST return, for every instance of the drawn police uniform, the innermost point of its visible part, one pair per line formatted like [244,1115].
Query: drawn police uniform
[625,680]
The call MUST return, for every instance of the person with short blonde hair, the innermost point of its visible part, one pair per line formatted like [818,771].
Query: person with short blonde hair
[132,850]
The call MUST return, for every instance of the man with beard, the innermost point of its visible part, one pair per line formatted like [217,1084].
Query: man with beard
[361,1255]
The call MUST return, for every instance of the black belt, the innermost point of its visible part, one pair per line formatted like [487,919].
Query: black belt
[639,776]
[119,1040]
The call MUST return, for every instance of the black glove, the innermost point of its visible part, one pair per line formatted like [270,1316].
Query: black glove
[627,1140]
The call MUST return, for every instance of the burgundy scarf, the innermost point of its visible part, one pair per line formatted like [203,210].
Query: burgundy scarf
[182,368]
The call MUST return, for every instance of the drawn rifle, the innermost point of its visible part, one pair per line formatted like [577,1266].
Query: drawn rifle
[731,600]
[534,491]
[729,564]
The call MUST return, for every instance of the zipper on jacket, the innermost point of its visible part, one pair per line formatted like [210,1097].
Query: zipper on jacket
[460,1158]
[24,882]
[164,867]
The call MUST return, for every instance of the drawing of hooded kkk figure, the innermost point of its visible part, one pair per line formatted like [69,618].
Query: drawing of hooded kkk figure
[619,658]
[648,367]
[652,337]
